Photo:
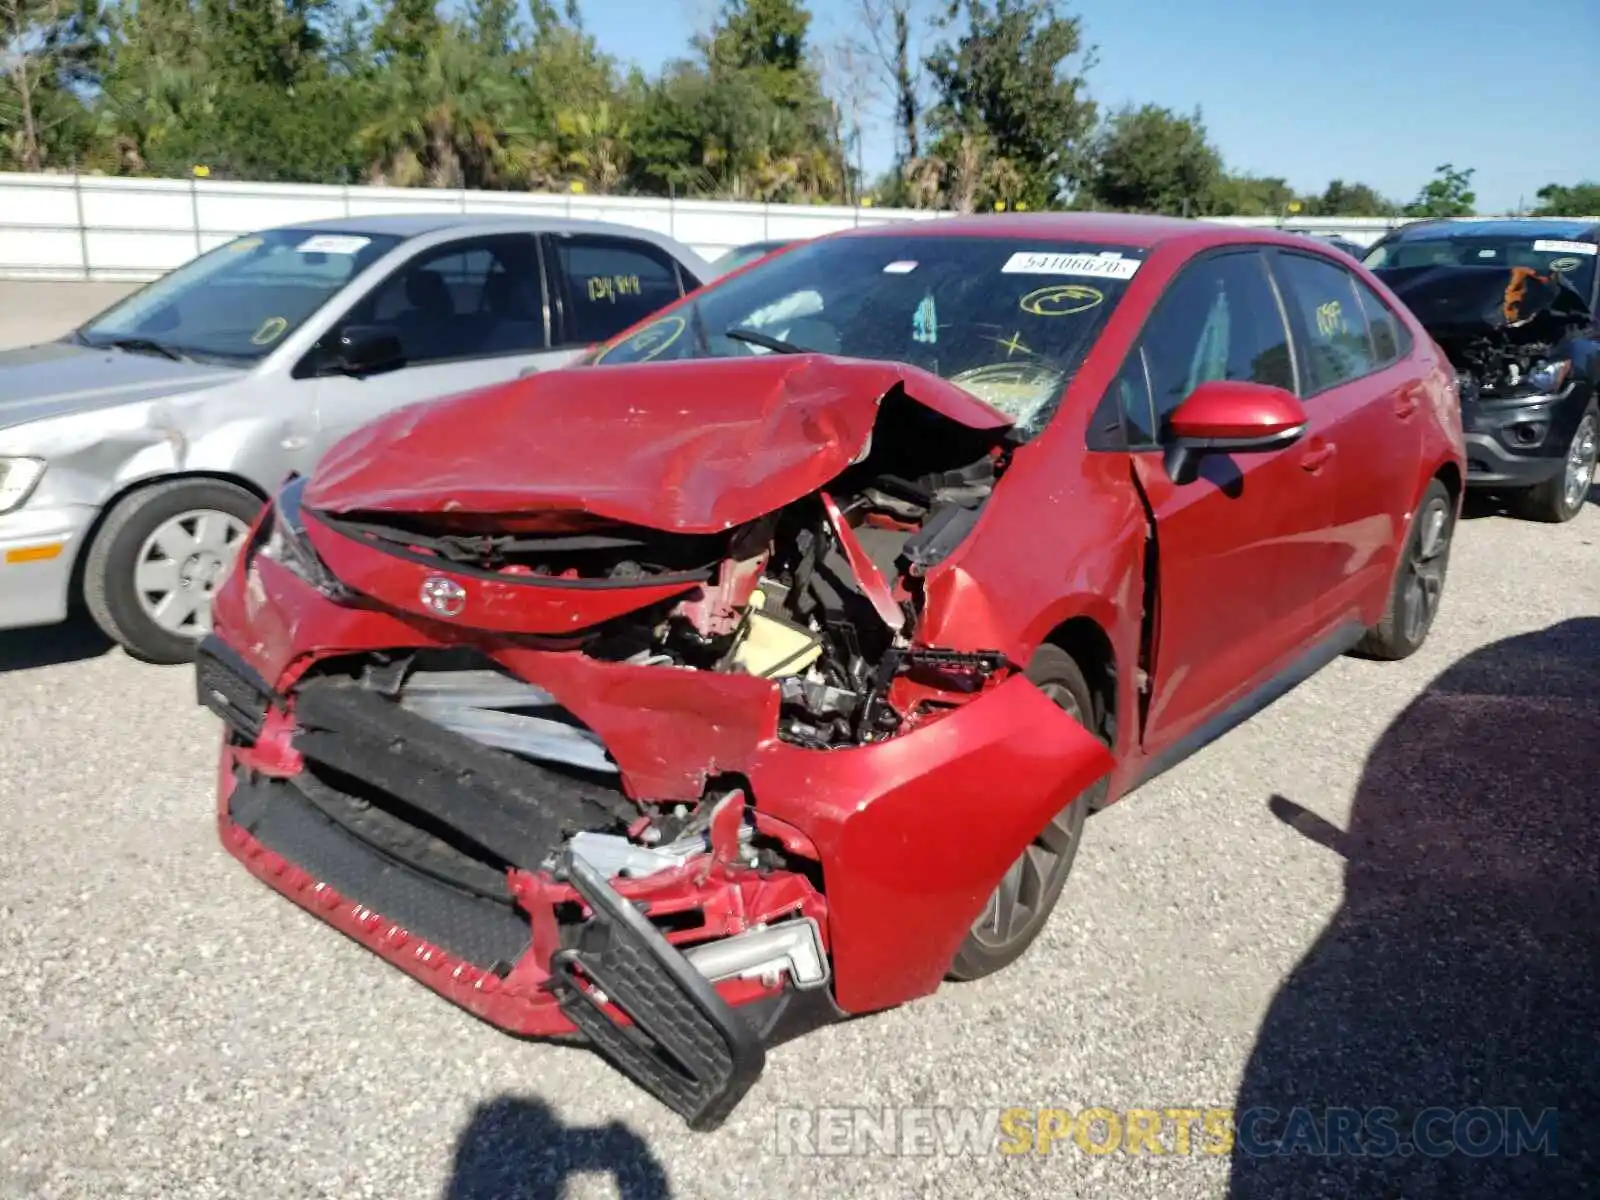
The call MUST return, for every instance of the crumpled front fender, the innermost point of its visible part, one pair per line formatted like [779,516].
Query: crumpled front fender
[916,832]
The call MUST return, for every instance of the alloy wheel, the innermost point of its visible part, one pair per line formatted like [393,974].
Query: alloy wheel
[1581,458]
[1427,556]
[1019,900]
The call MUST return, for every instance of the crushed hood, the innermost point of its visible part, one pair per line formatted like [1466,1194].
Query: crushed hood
[1454,302]
[688,447]
[56,379]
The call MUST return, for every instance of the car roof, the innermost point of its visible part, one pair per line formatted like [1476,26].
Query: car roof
[1112,229]
[410,225]
[1567,229]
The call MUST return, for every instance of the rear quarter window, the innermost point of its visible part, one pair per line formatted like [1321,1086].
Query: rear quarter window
[1332,320]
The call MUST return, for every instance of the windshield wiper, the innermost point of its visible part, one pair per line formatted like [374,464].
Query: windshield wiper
[143,345]
[756,338]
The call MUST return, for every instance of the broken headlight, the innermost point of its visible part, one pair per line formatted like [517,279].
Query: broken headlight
[287,545]
[18,478]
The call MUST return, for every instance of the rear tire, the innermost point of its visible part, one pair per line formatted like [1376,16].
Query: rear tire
[168,543]
[1019,907]
[1418,586]
[1558,500]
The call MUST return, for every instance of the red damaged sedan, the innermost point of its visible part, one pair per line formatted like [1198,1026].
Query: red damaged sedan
[764,667]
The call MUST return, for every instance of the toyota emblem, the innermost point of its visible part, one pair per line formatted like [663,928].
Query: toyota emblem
[442,596]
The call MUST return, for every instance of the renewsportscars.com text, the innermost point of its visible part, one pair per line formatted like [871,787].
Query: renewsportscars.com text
[1174,1130]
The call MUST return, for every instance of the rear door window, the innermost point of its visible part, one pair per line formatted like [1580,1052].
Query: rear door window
[608,284]
[1332,320]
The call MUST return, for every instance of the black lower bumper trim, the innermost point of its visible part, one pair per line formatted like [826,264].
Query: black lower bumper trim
[1489,464]
[685,1046]
[480,929]
[514,810]
[230,688]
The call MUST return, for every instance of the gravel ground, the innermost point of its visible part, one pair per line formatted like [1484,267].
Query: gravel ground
[1382,891]
[1379,892]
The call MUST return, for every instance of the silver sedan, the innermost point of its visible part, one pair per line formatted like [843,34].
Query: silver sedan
[135,451]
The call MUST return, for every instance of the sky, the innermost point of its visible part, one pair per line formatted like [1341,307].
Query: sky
[1376,91]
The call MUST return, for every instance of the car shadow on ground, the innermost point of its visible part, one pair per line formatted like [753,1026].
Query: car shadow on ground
[1463,970]
[51,645]
[516,1148]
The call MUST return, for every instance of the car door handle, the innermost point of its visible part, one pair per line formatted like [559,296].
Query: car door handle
[1319,456]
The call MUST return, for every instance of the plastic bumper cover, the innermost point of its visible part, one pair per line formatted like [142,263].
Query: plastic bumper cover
[38,548]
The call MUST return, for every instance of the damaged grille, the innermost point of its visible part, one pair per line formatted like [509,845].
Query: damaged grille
[227,685]
[427,776]
[501,809]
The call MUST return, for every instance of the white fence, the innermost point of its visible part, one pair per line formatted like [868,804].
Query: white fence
[98,227]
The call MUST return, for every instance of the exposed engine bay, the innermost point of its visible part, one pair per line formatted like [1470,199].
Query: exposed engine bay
[1502,328]
[821,595]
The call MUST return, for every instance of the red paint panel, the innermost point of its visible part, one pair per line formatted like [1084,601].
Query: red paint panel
[690,447]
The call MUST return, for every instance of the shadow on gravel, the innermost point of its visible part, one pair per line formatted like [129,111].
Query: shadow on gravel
[51,645]
[1463,970]
[515,1148]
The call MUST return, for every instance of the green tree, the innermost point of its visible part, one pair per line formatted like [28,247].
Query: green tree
[1249,196]
[745,119]
[1447,194]
[1011,102]
[47,47]
[1149,159]
[1341,199]
[1561,200]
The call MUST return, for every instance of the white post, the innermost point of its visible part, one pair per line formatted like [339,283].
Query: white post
[194,210]
[83,226]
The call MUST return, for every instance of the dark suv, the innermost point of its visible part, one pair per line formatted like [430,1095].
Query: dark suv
[1512,302]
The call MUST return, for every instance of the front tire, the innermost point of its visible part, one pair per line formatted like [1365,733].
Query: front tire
[1560,499]
[1019,907]
[1418,586]
[151,570]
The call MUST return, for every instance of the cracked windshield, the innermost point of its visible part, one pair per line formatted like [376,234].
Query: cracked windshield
[1009,321]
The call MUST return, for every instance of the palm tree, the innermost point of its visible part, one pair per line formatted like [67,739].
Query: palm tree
[449,120]
[596,146]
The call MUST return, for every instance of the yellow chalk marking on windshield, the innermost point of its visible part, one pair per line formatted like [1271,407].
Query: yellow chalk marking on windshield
[1013,343]
[28,554]
[1061,300]
[650,341]
[271,330]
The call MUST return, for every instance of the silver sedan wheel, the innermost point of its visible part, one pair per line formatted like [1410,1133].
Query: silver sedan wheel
[180,565]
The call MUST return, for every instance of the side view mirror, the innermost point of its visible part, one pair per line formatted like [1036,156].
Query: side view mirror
[367,350]
[1226,416]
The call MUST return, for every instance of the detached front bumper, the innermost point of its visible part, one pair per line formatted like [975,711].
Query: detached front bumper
[690,1026]
[889,848]
[38,548]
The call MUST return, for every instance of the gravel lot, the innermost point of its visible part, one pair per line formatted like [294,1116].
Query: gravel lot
[1382,891]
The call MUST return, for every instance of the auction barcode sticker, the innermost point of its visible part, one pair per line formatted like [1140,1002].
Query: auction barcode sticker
[1107,265]
[1554,247]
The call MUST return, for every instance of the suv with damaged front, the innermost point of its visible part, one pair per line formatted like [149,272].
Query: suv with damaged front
[764,667]
[1512,302]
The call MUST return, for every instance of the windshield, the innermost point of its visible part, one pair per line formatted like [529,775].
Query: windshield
[238,301]
[1008,321]
[1573,261]
[744,254]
